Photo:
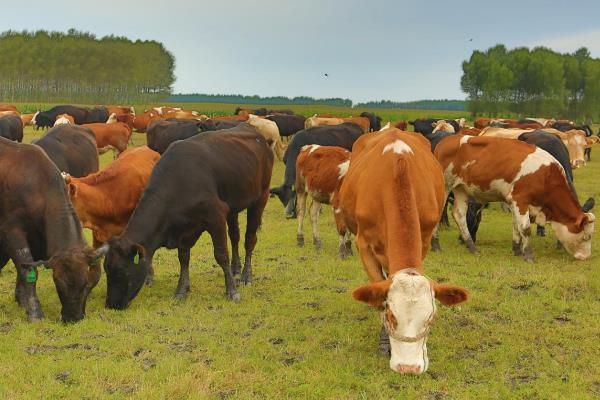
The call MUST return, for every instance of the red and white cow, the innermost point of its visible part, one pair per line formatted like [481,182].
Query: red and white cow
[392,198]
[526,177]
[319,172]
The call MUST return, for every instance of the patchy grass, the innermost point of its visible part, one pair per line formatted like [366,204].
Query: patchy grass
[529,331]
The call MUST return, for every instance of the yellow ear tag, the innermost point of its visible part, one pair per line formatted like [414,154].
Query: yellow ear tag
[136,259]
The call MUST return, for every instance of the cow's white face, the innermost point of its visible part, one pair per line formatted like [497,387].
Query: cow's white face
[576,145]
[442,126]
[408,302]
[579,245]
[408,313]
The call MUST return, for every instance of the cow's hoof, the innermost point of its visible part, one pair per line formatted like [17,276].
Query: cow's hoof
[35,316]
[235,296]
[290,215]
[300,241]
[149,281]
[528,256]
[318,244]
[541,231]
[246,280]
[516,248]
[385,350]
[180,295]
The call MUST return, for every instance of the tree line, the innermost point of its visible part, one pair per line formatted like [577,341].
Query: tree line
[77,67]
[255,99]
[457,105]
[532,82]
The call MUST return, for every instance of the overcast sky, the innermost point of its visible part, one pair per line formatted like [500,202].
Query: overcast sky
[376,49]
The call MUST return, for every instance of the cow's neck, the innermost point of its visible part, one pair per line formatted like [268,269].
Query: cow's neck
[147,225]
[63,229]
[437,138]
[560,204]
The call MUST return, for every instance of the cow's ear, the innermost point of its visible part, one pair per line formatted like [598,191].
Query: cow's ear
[72,190]
[139,252]
[374,294]
[449,295]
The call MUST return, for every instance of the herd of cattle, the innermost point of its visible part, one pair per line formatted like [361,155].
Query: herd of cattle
[387,186]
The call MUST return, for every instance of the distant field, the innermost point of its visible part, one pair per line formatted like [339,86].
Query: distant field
[528,332]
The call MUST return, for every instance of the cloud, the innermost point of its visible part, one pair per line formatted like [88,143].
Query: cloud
[570,43]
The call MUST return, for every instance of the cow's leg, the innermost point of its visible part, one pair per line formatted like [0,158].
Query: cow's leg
[541,230]
[183,286]
[345,246]
[315,209]
[301,211]
[435,239]
[254,220]
[218,232]
[459,212]
[524,227]
[516,240]
[445,222]
[233,227]
[25,289]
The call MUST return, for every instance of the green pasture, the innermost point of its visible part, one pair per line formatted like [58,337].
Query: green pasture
[529,331]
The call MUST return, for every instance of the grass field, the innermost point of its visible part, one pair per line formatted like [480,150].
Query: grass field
[529,331]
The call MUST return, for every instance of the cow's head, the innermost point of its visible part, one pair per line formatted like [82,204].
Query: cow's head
[576,237]
[575,141]
[442,126]
[126,267]
[75,272]
[407,300]
[287,197]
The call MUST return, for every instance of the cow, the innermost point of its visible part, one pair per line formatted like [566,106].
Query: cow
[141,121]
[288,125]
[81,115]
[545,122]
[231,118]
[426,126]
[27,119]
[110,136]
[40,228]
[163,132]
[566,126]
[363,122]
[219,125]
[466,130]
[402,125]
[120,110]
[384,183]
[481,123]
[315,121]
[270,132]
[374,120]
[526,177]
[105,200]
[11,128]
[64,119]
[72,148]
[199,184]
[443,126]
[12,113]
[8,107]
[263,112]
[343,135]
[319,171]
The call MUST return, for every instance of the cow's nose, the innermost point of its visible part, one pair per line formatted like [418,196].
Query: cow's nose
[408,369]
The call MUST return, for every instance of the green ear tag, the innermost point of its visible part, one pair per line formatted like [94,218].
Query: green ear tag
[32,276]
[136,259]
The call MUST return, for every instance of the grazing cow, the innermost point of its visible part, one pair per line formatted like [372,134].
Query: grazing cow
[319,171]
[526,177]
[374,120]
[163,132]
[315,121]
[363,122]
[8,107]
[105,200]
[199,184]
[27,119]
[270,132]
[426,126]
[288,125]
[64,119]
[72,148]
[11,128]
[402,125]
[110,136]
[343,135]
[384,202]
[39,223]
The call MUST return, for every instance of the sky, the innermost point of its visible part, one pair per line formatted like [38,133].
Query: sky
[371,50]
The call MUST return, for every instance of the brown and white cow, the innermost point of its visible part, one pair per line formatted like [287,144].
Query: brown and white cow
[363,122]
[8,107]
[319,172]
[64,119]
[526,177]
[320,121]
[392,198]
[442,126]
[105,200]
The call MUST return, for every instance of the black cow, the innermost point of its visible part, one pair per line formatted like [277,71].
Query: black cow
[97,115]
[11,127]
[553,145]
[72,148]
[425,126]
[81,115]
[374,121]
[343,135]
[219,124]
[163,132]
[262,112]
[288,124]
[199,184]
[39,223]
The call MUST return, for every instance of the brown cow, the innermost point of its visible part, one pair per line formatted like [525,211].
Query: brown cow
[230,118]
[120,110]
[10,112]
[526,177]
[319,171]
[466,130]
[105,200]
[363,122]
[141,121]
[27,119]
[110,136]
[481,123]
[392,198]
[8,107]
[402,125]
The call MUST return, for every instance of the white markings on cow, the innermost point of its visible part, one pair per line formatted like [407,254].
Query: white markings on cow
[468,164]
[343,168]
[533,162]
[313,147]
[398,147]
[463,140]
[337,210]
